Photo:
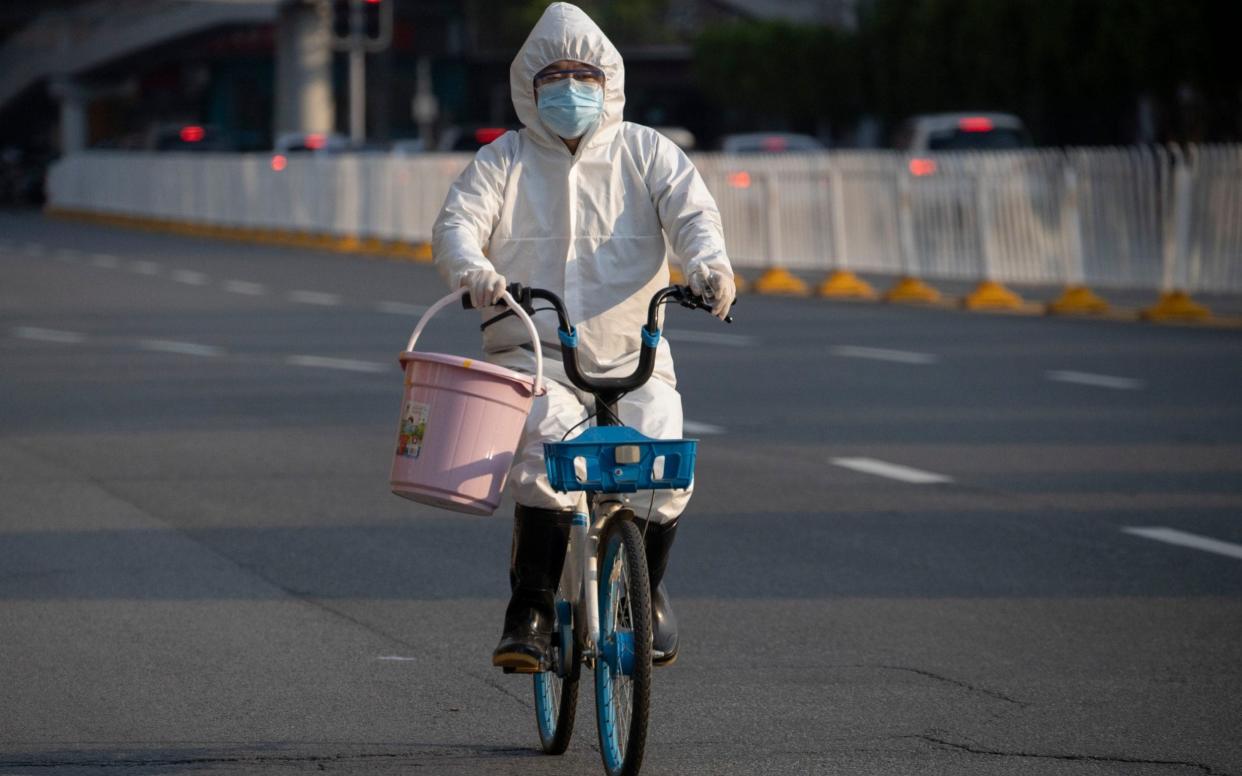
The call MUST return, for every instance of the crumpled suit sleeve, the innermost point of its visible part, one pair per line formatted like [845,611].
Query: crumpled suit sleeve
[471,211]
[687,209]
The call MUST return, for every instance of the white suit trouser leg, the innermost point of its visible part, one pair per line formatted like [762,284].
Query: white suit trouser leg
[654,409]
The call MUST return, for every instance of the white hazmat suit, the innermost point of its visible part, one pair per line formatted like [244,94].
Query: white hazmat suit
[592,226]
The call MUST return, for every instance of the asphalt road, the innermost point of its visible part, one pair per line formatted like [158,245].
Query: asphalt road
[202,570]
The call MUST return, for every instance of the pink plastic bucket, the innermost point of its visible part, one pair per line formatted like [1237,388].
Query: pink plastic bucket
[460,424]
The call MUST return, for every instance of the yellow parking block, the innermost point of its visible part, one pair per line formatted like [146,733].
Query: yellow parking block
[1176,306]
[990,295]
[843,284]
[910,290]
[778,280]
[1078,300]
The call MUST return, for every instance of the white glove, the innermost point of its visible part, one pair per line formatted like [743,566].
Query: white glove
[486,286]
[716,288]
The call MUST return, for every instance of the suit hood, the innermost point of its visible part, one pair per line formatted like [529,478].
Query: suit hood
[566,32]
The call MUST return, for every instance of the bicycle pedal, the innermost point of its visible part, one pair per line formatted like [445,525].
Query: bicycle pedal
[523,670]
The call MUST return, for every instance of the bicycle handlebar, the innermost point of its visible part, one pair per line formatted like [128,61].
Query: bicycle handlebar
[608,388]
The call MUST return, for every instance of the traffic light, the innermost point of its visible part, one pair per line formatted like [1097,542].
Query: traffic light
[365,24]
[342,25]
[377,22]
[371,10]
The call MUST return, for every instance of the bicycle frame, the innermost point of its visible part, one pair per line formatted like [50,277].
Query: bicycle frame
[580,577]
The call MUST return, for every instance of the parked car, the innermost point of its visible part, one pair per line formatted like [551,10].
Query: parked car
[319,142]
[962,132]
[469,138]
[769,143]
[187,137]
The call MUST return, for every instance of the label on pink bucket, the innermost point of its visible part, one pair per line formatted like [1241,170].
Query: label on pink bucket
[413,427]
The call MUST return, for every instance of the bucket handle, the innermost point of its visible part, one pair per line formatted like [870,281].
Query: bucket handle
[513,305]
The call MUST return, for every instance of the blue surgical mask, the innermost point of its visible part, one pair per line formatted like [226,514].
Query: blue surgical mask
[569,107]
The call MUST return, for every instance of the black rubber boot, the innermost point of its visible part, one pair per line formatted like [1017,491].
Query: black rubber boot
[658,539]
[539,540]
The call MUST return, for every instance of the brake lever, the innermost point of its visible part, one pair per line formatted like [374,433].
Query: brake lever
[691,301]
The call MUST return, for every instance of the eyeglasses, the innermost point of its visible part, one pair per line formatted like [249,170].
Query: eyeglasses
[588,75]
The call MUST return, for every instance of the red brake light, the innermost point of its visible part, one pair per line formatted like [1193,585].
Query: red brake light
[316,141]
[192,134]
[279,162]
[739,180]
[975,124]
[922,167]
[487,134]
[774,144]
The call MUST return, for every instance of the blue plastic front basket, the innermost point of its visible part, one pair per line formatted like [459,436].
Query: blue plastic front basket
[597,447]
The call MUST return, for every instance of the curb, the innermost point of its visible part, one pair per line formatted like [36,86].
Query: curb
[368,246]
[1174,308]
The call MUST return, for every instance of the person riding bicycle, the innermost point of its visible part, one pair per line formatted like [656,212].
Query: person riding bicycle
[586,205]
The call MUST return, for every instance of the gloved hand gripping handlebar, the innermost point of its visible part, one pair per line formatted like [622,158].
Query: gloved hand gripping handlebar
[609,389]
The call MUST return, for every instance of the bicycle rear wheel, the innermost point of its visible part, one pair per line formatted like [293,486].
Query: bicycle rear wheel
[556,691]
[623,669]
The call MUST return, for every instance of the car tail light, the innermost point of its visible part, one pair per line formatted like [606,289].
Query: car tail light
[922,167]
[975,124]
[739,180]
[316,142]
[774,144]
[487,134]
[192,134]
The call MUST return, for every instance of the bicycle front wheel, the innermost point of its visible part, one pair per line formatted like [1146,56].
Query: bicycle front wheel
[623,668]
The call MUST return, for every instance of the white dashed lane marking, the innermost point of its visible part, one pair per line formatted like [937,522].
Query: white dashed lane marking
[711,338]
[1184,539]
[1094,380]
[693,427]
[315,297]
[884,354]
[105,261]
[400,308]
[144,267]
[182,348]
[892,471]
[244,287]
[346,364]
[189,277]
[49,335]
[397,658]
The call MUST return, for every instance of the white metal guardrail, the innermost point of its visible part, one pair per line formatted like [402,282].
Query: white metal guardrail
[1142,217]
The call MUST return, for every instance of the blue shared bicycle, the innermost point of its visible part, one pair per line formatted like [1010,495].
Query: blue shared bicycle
[603,604]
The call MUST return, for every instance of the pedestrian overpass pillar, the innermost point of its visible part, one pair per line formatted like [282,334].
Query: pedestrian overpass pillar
[304,100]
[73,100]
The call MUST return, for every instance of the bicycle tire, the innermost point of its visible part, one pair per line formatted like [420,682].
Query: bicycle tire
[623,700]
[556,698]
